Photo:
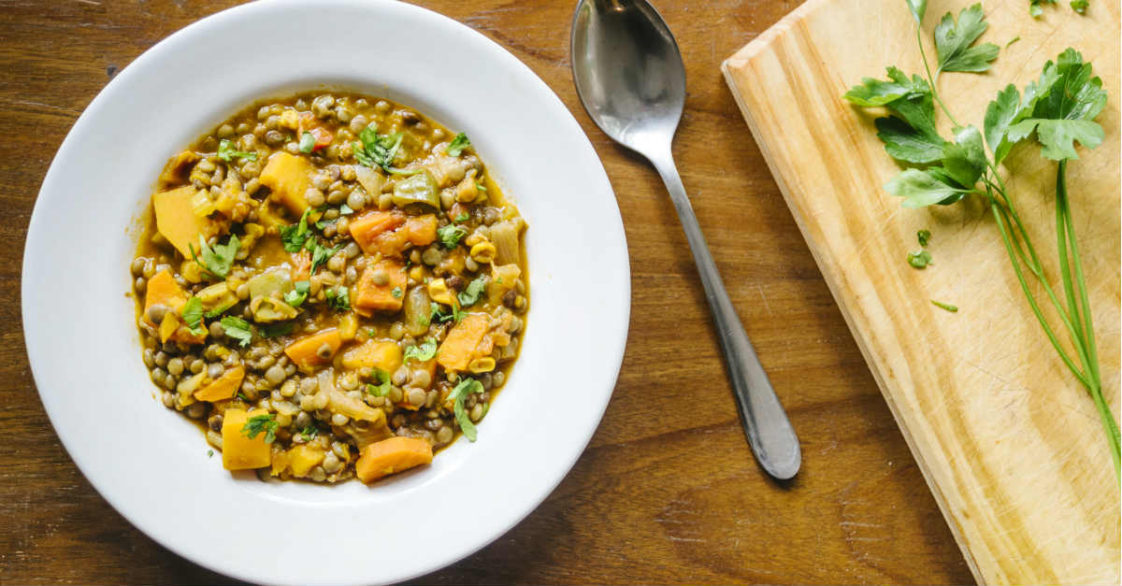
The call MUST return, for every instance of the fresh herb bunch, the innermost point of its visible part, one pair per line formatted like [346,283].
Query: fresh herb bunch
[1058,110]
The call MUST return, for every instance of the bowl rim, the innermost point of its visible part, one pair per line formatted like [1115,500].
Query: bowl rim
[37,341]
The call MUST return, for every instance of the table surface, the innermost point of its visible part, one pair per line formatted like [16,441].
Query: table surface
[667,491]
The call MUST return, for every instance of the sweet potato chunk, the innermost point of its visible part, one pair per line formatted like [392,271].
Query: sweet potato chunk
[391,456]
[462,342]
[315,350]
[367,228]
[369,296]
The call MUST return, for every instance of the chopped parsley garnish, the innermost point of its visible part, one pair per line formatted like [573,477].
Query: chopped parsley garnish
[460,219]
[217,311]
[338,298]
[479,185]
[261,423]
[210,453]
[466,387]
[298,294]
[321,254]
[383,387]
[946,306]
[295,235]
[457,145]
[238,329]
[924,236]
[307,142]
[436,314]
[309,432]
[345,210]
[423,353]
[377,150]
[227,152]
[919,259]
[396,292]
[193,315]
[450,235]
[471,293]
[218,260]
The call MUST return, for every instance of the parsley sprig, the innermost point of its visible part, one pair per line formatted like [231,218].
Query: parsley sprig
[1056,111]
[217,260]
[467,386]
[261,423]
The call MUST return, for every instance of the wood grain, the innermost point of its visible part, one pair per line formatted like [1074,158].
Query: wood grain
[667,492]
[1009,442]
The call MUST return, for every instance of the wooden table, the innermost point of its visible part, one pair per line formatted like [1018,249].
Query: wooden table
[668,491]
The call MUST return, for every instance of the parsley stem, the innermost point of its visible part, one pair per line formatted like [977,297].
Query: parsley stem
[999,215]
[931,79]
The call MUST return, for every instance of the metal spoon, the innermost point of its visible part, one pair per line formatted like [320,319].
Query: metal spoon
[631,80]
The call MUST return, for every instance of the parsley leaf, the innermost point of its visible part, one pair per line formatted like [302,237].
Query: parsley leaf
[1036,7]
[238,329]
[309,432]
[261,423]
[338,299]
[910,134]
[450,235]
[383,387]
[298,294]
[216,261]
[466,387]
[953,42]
[438,316]
[1060,107]
[965,159]
[471,293]
[377,150]
[923,188]
[396,293]
[307,142]
[227,152]
[918,8]
[294,236]
[946,306]
[321,254]
[193,315]
[423,353]
[457,146]
[919,259]
[924,236]
[460,219]
[1079,6]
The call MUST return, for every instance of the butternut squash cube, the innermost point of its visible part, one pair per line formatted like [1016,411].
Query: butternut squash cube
[315,350]
[460,345]
[385,356]
[391,456]
[176,220]
[303,458]
[289,176]
[224,387]
[239,452]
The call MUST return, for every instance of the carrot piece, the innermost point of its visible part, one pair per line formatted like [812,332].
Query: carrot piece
[223,387]
[420,230]
[370,297]
[305,352]
[301,266]
[163,290]
[462,342]
[391,456]
[367,228]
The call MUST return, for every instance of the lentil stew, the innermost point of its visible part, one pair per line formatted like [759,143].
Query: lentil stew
[331,283]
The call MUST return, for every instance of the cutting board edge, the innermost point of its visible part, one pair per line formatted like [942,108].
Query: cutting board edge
[743,56]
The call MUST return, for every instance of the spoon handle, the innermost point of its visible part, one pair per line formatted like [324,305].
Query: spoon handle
[769,432]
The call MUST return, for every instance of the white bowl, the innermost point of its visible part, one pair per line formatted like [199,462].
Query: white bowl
[151,464]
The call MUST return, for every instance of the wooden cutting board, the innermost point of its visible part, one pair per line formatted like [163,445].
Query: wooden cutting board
[1010,444]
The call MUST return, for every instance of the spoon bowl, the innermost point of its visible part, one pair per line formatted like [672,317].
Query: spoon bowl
[630,77]
[628,70]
